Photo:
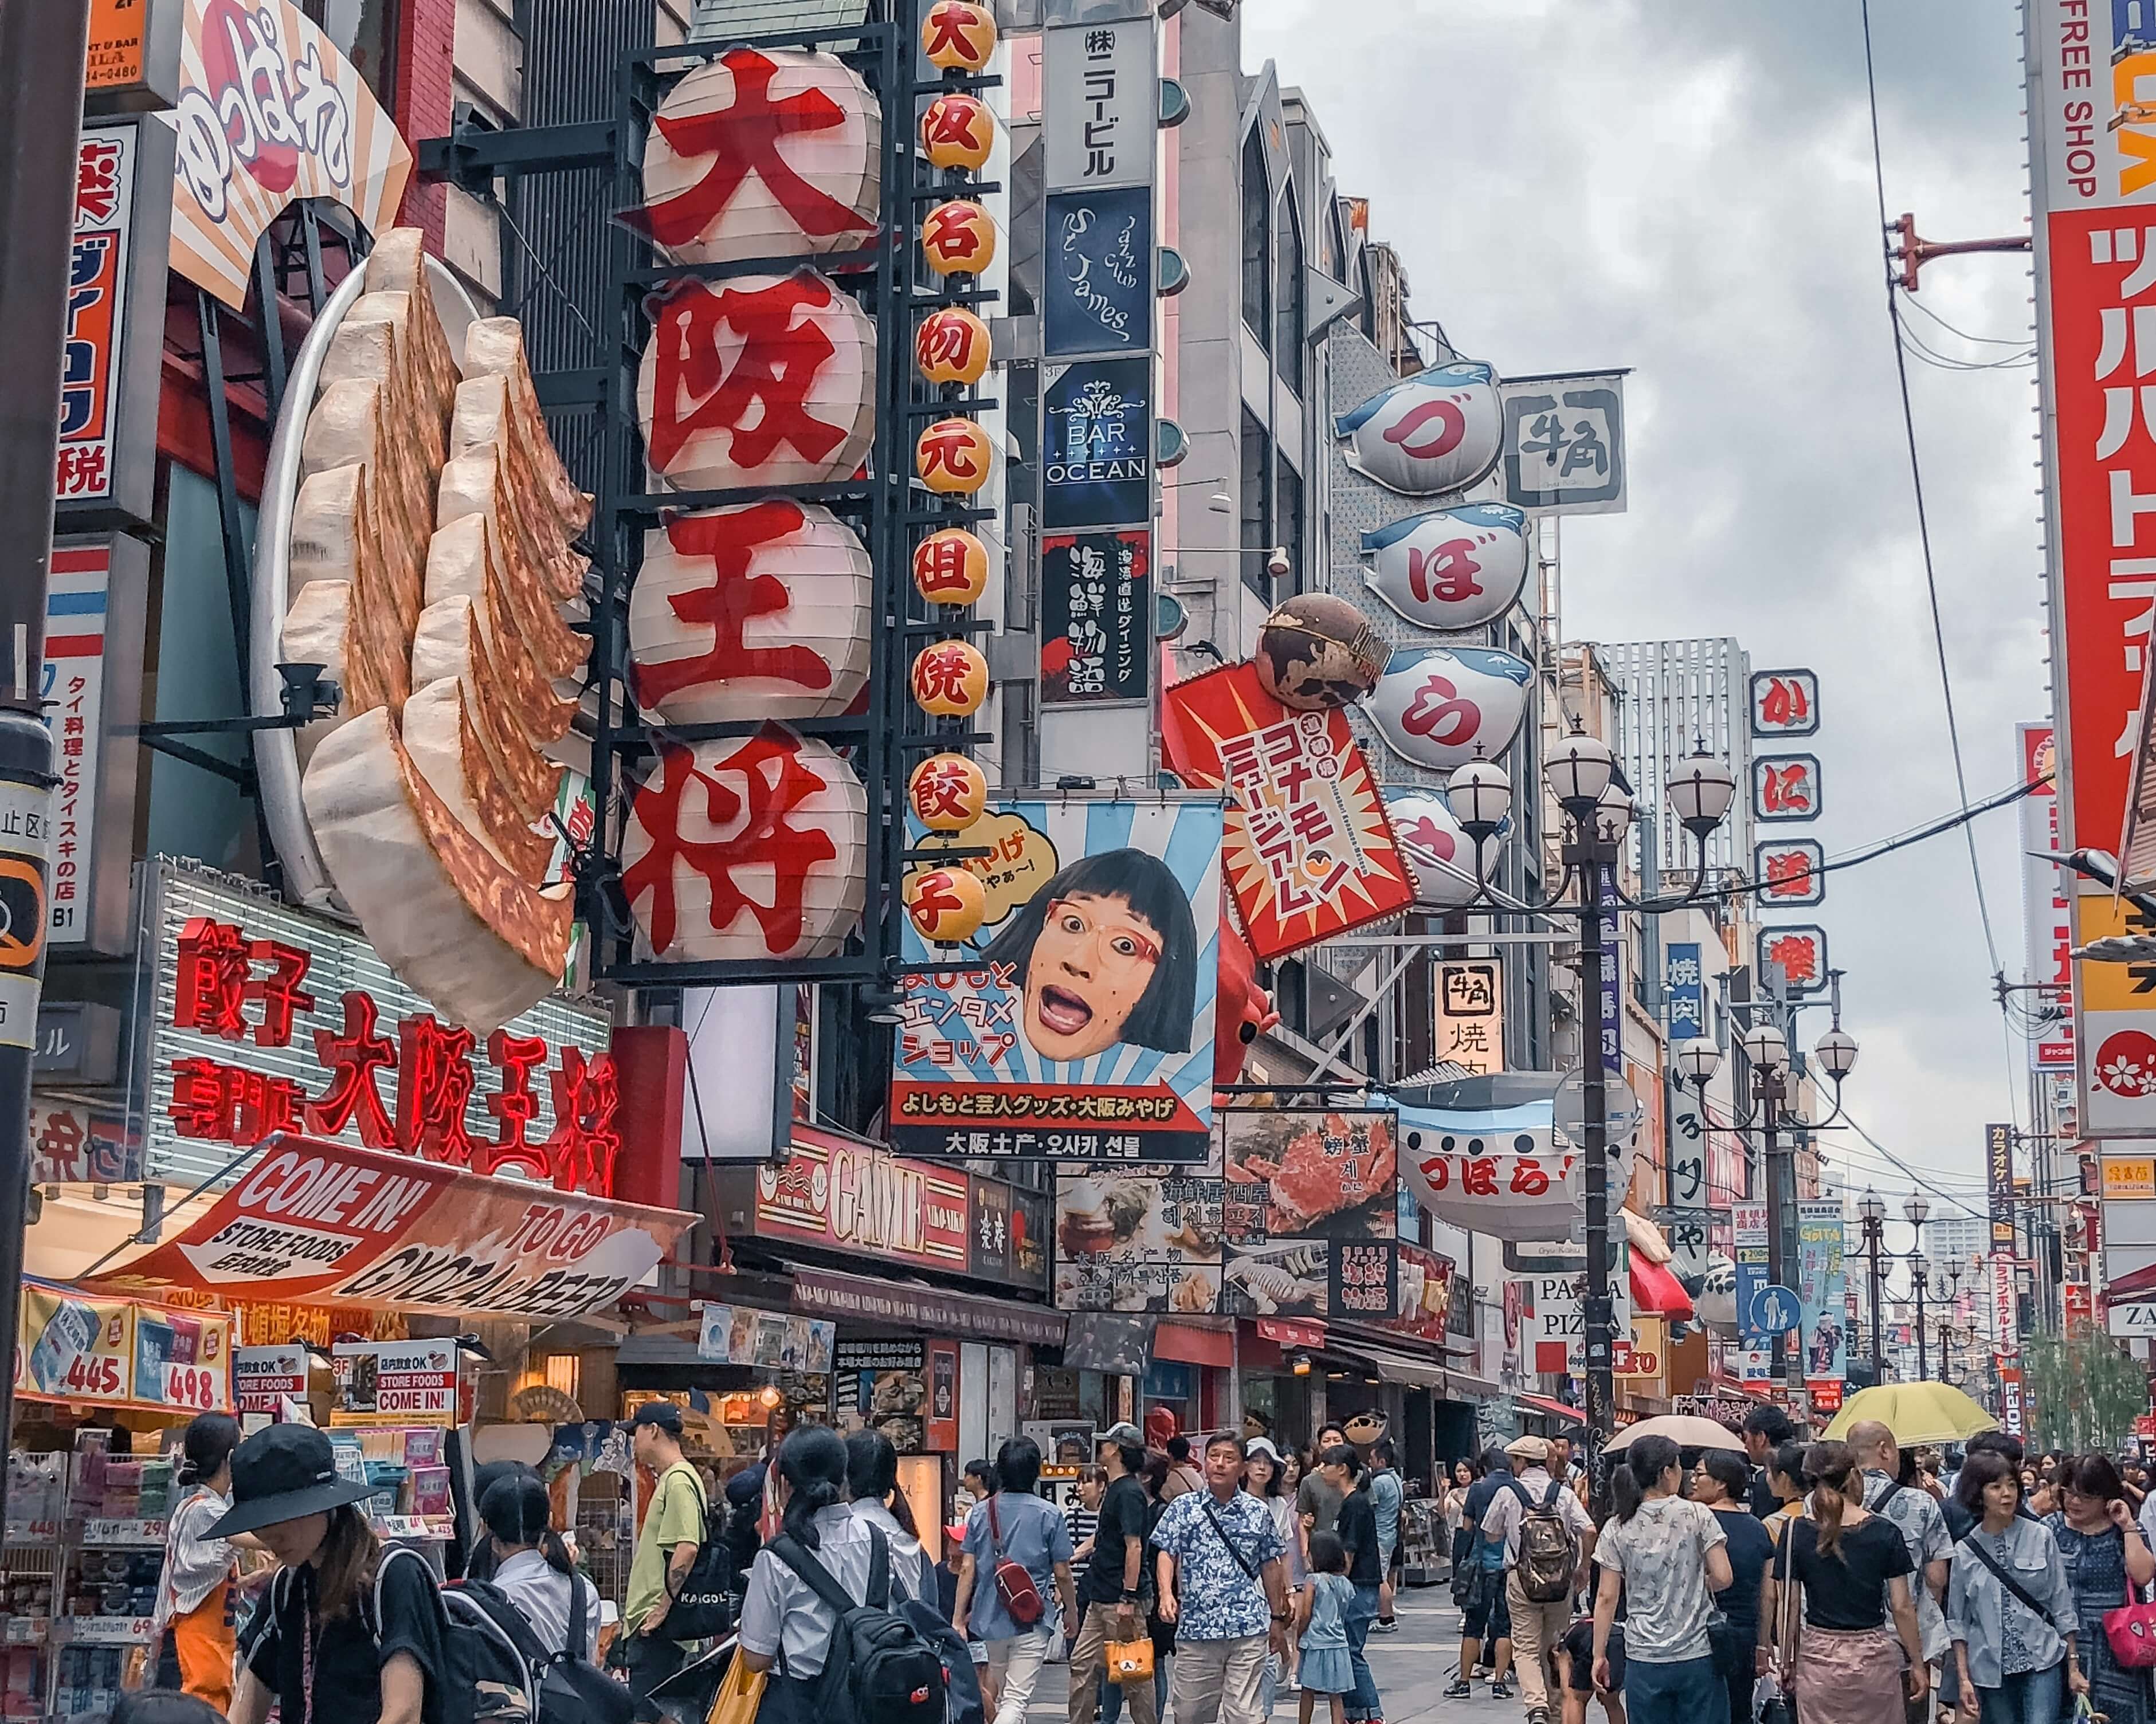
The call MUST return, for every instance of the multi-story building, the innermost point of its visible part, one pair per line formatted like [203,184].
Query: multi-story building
[1678,699]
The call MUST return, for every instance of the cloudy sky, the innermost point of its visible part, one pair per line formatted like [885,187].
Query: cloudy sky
[1685,187]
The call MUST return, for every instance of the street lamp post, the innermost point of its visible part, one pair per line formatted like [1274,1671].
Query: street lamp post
[1916,1210]
[1871,1211]
[1582,775]
[1917,1269]
[1946,1290]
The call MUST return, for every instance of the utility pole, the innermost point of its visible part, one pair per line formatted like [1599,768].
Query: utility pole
[42,45]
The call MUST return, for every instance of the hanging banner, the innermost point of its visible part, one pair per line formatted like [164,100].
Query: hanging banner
[1824,1288]
[1095,617]
[2047,922]
[2006,1305]
[1754,1254]
[1077,1022]
[321,1221]
[269,111]
[74,1346]
[1564,443]
[1310,852]
[1999,1184]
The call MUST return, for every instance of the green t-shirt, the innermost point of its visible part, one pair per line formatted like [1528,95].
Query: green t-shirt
[676,1516]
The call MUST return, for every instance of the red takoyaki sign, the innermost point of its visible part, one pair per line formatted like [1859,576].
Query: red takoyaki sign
[1309,852]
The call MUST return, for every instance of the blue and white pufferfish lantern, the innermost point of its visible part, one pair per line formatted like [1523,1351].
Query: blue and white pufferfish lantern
[1440,855]
[1438,431]
[1452,569]
[1439,707]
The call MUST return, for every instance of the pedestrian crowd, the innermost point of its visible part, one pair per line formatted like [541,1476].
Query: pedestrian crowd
[1829,1583]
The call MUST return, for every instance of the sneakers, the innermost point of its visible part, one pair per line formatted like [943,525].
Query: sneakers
[1384,1625]
[1538,1714]
[1503,1691]
[1462,1689]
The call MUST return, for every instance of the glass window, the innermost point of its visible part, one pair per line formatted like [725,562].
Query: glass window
[1257,259]
[365,32]
[1287,292]
[1257,485]
[1287,522]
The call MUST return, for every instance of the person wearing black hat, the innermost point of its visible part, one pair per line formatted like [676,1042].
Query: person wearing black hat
[348,1633]
[666,1552]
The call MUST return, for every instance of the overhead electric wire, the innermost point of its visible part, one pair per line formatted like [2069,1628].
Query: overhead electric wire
[1924,530]
[1983,341]
[1948,362]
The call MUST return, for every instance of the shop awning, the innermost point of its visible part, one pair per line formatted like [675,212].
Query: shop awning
[1283,1332]
[913,1305]
[1404,1367]
[1187,1344]
[1658,1292]
[1550,1408]
[313,1221]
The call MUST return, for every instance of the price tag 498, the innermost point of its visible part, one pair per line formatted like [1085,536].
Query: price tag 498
[192,1386]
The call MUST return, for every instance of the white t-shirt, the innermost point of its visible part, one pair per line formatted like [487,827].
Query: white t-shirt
[1661,1553]
[541,1592]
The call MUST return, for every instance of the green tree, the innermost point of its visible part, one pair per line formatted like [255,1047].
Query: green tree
[2082,1391]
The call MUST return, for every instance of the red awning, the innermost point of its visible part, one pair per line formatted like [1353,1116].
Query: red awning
[1284,1333]
[1550,1408]
[2133,1288]
[1187,1344]
[1657,1292]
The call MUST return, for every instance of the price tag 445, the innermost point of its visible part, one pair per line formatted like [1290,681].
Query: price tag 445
[97,1374]
[193,1385]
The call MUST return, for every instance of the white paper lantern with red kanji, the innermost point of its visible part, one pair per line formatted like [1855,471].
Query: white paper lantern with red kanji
[761,381]
[958,238]
[957,131]
[958,36]
[764,152]
[954,456]
[951,566]
[750,847]
[947,792]
[946,905]
[760,611]
[950,679]
[951,346]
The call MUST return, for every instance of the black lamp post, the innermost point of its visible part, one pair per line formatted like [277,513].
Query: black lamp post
[1582,775]
[1871,1211]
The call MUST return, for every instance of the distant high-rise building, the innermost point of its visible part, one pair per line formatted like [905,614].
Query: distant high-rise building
[1955,1238]
[1676,698]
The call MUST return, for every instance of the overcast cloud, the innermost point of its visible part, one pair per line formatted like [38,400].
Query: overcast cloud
[1684,186]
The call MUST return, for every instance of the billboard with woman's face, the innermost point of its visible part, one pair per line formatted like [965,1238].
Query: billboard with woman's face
[1077,1023]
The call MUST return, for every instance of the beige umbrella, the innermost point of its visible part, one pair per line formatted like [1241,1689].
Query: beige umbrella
[1682,1428]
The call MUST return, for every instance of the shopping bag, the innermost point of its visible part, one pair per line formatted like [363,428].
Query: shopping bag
[740,1694]
[1130,1662]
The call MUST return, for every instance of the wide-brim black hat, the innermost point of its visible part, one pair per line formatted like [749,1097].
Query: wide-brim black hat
[284,1474]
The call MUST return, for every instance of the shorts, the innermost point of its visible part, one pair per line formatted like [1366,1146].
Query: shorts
[1579,1644]
[1489,1618]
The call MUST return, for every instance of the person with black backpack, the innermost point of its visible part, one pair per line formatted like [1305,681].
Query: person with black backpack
[1546,1537]
[821,1613]
[348,1633]
[532,1568]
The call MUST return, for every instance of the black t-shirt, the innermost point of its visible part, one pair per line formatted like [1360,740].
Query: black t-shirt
[1848,1589]
[1749,1549]
[347,1656]
[1122,1516]
[1764,1502]
[1359,1531]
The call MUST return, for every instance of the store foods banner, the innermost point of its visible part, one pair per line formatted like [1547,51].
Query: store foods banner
[1295,1216]
[320,1221]
[73,1347]
[1077,1023]
[1310,852]
[270,112]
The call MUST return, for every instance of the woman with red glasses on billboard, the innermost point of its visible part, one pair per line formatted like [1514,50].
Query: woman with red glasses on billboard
[1106,953]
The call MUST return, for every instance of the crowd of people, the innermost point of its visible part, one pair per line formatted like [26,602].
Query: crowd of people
[1864,1583]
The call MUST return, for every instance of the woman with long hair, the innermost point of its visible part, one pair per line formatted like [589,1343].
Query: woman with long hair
[2010,1607]
[1663,1555]
[1852,1569]
[532,1567]
[2108,1561]
[872,1482]
[192,1626]
[347,1634]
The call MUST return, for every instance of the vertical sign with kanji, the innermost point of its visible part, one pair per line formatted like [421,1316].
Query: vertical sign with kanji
[1999,1184]
[74,699]
[1471,1014]
[1684,986]
[2047,922]
[1784,703]
[1095,617]
[1800,950]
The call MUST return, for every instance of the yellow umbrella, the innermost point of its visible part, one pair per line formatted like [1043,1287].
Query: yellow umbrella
[1915,1412]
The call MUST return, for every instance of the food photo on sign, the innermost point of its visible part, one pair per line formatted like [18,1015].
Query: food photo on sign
[1075,1018]
[1309,1212]
[1139,1239]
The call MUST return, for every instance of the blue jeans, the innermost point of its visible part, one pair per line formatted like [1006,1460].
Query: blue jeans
[1691,1692]
[2033,1697]
[1361,1613]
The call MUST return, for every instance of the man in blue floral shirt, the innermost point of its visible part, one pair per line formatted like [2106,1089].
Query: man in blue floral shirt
[1221,1579]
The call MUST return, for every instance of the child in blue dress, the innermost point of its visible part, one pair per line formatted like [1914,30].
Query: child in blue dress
[1321,1628]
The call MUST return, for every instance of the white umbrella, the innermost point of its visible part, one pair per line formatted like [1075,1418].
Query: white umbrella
[1682,1428]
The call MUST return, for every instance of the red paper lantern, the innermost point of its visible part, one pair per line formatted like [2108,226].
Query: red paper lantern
[760,153]
[954,456]
[946,905]
[750,846]
[764,380]
[951,567]
[951,346]
[957,132]
[947,793]
[958,36]
[958,238]
[950,679]
[760,611]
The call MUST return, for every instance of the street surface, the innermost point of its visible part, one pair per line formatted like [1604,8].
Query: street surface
[1412,1667]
